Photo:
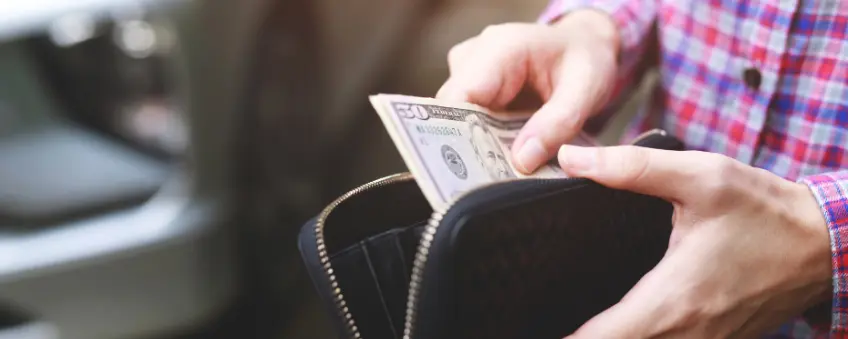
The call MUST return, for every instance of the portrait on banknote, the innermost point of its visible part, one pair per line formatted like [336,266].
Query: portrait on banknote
[487,149]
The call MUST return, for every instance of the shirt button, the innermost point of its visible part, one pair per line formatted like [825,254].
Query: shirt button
[753,78]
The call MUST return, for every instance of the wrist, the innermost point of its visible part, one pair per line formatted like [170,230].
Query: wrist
[596,24]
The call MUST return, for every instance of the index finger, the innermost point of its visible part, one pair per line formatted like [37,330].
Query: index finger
[489,76]
[579,87]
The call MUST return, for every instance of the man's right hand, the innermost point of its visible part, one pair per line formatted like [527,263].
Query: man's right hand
[570,65]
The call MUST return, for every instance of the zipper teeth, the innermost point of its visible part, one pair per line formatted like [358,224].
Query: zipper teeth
[338,296]
[647,134]
[423,252]
[418,271]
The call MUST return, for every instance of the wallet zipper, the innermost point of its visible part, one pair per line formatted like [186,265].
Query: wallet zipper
[422,252]
[646,134]
[324,257]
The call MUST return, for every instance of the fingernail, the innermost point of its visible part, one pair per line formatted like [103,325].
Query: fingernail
[531,155]
[576,159]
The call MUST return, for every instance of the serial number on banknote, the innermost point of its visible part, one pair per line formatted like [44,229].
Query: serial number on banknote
[438,130]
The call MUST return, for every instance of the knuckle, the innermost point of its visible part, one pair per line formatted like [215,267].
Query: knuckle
[634,163]
[724,170]
[507,32]
[455,53]
[498,29]
[491,30]
[720,177]
[483,49]
[565,121]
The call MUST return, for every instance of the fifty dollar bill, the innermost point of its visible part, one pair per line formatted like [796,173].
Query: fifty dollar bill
[451,148]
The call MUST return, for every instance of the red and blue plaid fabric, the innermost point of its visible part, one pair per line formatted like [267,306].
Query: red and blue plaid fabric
[764,82]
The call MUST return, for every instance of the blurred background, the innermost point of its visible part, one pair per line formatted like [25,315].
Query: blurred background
[158,157]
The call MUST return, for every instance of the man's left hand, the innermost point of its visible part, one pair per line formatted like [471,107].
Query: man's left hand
[749,250]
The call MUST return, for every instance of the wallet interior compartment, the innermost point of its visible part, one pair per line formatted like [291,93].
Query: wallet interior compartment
[371,235]
[375,273]
[374,211]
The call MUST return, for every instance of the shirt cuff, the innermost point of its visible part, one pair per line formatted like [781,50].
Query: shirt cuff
[831,192]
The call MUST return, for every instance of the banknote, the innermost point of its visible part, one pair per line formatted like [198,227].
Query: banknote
[452,148]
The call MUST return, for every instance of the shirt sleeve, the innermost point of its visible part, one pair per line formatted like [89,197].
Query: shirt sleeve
[635,20]
[831,192]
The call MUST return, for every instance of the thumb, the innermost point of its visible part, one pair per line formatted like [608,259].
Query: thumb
[579,89]
[672,175]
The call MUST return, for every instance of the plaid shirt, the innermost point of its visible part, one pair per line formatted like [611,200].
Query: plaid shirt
[764,82]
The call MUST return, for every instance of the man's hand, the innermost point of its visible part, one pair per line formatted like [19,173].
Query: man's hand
[749,250]
[570,66]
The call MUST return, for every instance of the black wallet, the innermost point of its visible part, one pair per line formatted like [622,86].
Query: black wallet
[529,258]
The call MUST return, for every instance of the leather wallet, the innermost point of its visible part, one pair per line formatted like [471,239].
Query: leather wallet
[528,258]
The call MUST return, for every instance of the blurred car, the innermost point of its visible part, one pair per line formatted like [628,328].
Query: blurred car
[113,222]
[158,157]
